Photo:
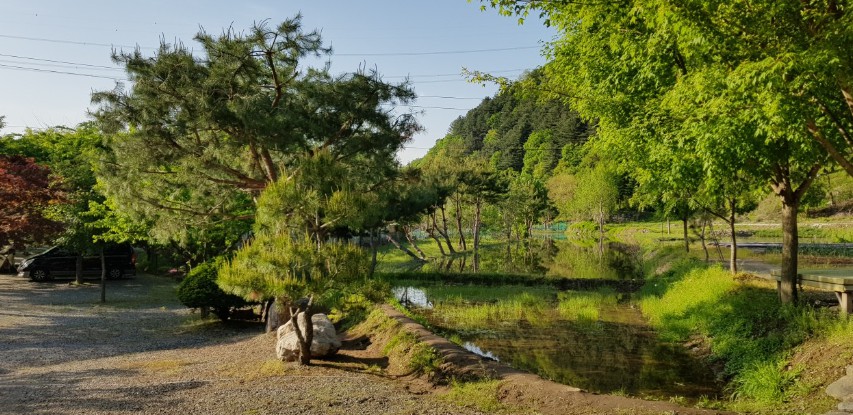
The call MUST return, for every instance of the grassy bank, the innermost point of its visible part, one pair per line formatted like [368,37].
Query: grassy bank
[753,338]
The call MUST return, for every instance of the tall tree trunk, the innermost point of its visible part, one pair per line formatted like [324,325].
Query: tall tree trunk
[408,233]
[443,229]
[432,228]
[462,242]
[791,198]
[78,269]
[686,235]
[103,276]
[790,247]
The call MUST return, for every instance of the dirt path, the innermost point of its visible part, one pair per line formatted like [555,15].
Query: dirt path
[61,352]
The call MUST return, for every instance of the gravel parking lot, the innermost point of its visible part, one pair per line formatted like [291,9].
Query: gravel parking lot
[62,352]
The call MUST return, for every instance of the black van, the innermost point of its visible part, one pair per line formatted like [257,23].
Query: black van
[62,262]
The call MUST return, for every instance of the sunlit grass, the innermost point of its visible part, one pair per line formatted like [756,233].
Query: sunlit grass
[467,294]
[526,307]
[480,395]
[585,305]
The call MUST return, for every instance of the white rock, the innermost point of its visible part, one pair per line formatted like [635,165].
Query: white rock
[324,343]
[841,388]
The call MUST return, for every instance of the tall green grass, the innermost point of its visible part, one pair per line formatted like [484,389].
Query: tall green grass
[745,324]
[584,306]
[525,306]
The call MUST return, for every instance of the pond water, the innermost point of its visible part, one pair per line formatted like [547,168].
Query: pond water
[549,257]
[595,340]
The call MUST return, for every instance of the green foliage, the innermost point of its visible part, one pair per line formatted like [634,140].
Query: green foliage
[767,382]
[199,290]
[277,264]
[419,357]
[222,123]
[596,196]
[584,306]
[746,326]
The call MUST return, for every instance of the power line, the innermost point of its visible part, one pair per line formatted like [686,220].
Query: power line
[451,74]
[446,97]
[71,42]
[441,52]
[63,62]
[445,52]
[50,65]
[23,68]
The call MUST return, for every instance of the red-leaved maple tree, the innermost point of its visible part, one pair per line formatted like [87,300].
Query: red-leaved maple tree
[25,192]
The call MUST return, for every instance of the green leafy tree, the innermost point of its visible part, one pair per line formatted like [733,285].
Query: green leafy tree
[764,68]
[596,195]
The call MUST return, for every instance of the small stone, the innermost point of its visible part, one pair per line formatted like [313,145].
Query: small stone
[845,406]
[850,370]
[841,388]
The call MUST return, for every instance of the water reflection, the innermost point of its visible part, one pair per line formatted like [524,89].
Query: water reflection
[557,258]
[411,297]
[590,340]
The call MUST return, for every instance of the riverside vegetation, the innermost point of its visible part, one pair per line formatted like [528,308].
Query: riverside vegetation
[750,352]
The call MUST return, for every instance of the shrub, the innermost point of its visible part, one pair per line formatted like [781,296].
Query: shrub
[199,290]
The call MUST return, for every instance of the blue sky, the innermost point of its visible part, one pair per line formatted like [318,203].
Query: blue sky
[400,38]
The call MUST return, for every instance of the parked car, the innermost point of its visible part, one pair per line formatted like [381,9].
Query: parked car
[59,261]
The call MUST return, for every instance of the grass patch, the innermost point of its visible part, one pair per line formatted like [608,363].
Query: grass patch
[748,329]
[480,395]
[420,358]
[584,306]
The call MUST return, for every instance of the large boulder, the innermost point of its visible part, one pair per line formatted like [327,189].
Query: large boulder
[325,342]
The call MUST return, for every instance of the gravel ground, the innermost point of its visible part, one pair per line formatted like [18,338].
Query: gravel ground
[62,352]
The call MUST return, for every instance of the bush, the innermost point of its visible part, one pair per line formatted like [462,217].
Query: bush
[199,290]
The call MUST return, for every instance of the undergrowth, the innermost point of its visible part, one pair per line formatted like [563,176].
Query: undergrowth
[745,325]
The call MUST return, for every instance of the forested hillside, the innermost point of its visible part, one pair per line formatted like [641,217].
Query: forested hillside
[523,132]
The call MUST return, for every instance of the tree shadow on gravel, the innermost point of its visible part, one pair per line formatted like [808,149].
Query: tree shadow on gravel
[46,324]
[71,393]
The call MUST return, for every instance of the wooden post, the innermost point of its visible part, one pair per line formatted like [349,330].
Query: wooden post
[845,302]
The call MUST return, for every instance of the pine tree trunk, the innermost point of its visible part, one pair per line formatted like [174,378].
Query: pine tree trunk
[462,242]
[443,230]
[432,228]
[408,233]
[407,251]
